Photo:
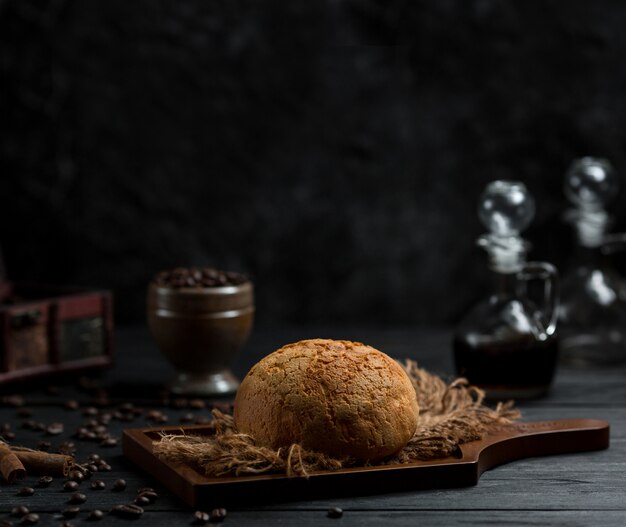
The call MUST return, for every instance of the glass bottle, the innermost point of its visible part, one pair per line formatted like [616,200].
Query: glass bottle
[507,344]
[592,315]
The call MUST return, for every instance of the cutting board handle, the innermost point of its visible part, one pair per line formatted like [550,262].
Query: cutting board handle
[541,438]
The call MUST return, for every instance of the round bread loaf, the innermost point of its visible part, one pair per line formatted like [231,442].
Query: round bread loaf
[338,397]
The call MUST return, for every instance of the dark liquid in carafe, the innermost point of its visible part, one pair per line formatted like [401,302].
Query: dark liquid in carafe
[518,368]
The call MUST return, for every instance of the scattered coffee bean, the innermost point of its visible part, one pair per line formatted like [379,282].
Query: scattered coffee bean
[94,458]
[201,517]
[98,484]
[142,500]
[44,481]
[68,448]
[29,425]
[127,510]
[218,515]
[24,412]
[334,512]
[52,390]
[148,493]
[12,400]
[26,491]
[39,427]
[77,497]
[104,467]
[119,485]
[45,445]
[70,486]
[54,429]
[30,519]
[197,404]
[8,435]
[6,523]
[67,524]
[92,467]
[95,515]
[76,475]
[70,512]
[109,442]
[187,418]
[72,405]
[90,411]
[20,511]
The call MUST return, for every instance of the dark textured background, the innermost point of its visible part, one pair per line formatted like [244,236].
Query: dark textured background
[334,150]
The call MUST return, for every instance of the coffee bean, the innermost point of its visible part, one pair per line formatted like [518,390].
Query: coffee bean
[29,425]
[45,445]
[20,511]
[142,500]
[70,486]
[90,411]
[68,448]
[197,404]
[92,467]
[72,405]
[30,519]
[104,467]
[145,489]
[54,429]
[94,458]
[8,435]
[187,418]
[26,491]
[24,412]
[150,494]
[334,512]
[12,400]
[70,512]
[77,497]
[119,485]
[218,515]
[95,515]
[201,517]
[39,427]
[127,510]
[109,442]
[67,524]
[98,484]
[44,481]
[76,475]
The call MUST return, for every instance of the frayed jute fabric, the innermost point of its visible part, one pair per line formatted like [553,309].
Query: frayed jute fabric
[450,415]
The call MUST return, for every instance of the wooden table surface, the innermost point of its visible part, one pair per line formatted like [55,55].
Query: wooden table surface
[575,489]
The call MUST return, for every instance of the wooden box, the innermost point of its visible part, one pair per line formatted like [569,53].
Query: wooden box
[51,330]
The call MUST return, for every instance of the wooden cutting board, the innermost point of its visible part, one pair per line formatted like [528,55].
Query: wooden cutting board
[502,445]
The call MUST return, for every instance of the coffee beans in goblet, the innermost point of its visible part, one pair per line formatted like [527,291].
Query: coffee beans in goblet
[200,318]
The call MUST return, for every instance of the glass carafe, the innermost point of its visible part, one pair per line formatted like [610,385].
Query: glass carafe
[592,315]
[507,344]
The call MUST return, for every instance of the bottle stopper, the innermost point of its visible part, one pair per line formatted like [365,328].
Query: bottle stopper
[505,208]
[590,185]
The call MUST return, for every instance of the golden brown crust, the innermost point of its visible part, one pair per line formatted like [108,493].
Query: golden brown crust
[334,396]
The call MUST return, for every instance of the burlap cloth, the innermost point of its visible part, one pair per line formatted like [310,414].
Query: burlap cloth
[450,415]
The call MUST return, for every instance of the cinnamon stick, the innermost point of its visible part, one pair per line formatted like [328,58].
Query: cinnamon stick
[11,467]
[37,462]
